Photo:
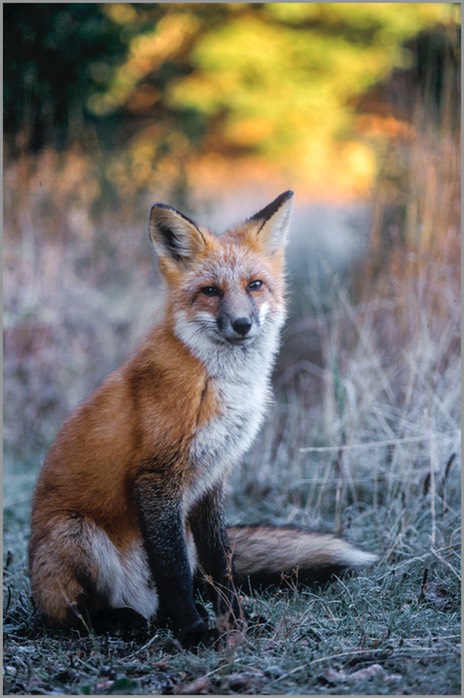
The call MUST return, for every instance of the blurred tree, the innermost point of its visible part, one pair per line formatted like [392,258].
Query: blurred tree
[55,56]
[276,81]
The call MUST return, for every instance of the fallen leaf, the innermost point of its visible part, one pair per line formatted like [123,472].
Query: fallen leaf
[334,676]
[250,680]
[198,686]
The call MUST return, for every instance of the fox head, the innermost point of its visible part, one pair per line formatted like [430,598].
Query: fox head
[223,290]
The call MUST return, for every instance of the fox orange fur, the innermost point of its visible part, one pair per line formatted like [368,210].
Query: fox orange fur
[128,511]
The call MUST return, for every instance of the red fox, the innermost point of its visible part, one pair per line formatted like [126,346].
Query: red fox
[128,508]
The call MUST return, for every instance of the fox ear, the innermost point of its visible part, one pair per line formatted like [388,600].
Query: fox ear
[274,219]
[173,234]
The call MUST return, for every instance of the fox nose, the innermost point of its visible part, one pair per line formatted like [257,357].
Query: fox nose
[242,325]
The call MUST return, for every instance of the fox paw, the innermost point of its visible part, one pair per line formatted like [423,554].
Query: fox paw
[197,634]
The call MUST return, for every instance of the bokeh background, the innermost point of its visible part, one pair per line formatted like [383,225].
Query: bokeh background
[216,109]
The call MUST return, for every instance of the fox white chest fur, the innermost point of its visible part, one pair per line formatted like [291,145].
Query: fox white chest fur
[241,382]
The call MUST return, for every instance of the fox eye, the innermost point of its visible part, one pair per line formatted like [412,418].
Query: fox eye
[210,291]
[255,285]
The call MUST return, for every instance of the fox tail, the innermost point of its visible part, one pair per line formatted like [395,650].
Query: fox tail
[284,556]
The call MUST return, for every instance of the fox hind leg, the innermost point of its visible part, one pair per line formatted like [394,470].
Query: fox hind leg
[80,579]
[63,572]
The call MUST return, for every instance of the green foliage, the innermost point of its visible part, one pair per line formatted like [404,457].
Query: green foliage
[55,55]
[275,79]
[269,83]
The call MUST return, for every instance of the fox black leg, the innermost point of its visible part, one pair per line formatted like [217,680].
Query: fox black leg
[214,556]
[159,504]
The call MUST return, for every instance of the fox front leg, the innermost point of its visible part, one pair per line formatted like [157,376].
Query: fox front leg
[215,559]
[161,521]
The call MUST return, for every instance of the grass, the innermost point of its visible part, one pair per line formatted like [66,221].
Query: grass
[386,632]
[363,438]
